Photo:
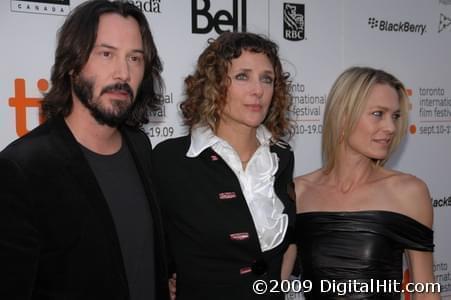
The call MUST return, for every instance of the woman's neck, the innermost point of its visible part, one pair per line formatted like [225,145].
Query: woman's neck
[242,138]
[351,171]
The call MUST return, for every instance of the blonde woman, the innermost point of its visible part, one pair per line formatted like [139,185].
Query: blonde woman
[356,217]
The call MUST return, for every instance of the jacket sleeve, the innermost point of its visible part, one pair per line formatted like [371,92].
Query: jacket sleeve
[291,207]
[161,167]
[19,246]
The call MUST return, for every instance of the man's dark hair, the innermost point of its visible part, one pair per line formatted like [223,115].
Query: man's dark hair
[76,40]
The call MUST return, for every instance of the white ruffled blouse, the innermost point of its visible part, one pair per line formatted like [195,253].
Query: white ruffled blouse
[257,181]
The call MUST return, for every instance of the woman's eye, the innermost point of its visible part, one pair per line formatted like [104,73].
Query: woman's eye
[377,113]
[267,79]
[241,76]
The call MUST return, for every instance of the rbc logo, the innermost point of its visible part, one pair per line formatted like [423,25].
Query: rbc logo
[221,21]
[20,102]
[293,21]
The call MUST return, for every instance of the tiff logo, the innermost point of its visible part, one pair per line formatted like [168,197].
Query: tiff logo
[20,102]
[293,21]
[221,21]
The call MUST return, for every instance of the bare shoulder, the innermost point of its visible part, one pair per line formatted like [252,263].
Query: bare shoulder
[413,196]
[407,185]
[307,181]
[306,188]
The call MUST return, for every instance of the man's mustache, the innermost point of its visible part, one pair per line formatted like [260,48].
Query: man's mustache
[118,87]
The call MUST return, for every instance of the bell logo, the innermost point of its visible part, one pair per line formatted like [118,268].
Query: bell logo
[20,102]
[222,21]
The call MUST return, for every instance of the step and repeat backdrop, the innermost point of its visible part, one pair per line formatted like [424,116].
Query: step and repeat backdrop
[318,39]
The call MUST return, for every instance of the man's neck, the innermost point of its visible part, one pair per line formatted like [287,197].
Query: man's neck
[101,139]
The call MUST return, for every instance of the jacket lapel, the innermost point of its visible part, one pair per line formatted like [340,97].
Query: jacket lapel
[65,144]
[141,154]
[284,186]
[283,157]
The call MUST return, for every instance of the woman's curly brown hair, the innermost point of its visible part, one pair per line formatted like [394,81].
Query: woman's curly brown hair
[206,89]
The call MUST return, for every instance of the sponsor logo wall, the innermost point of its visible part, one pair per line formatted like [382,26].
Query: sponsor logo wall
[318,39]
[47,7]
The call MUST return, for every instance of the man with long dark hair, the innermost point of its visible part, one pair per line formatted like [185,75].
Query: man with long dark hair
[78,218]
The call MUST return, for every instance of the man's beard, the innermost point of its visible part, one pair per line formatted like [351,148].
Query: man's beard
[114,116]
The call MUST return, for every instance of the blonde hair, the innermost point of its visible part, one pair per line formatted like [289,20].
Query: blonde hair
[345,103]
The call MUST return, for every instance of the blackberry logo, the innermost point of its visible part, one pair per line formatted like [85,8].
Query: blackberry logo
[443,202]
[45,7]
[400,27]
[372,22]
[293,21]
[444,23]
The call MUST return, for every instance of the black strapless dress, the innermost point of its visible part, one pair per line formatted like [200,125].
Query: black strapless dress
[357,249]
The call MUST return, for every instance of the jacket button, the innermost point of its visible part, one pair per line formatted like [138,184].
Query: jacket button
[239,236]
[259,267]
[227,195]
[245,270]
